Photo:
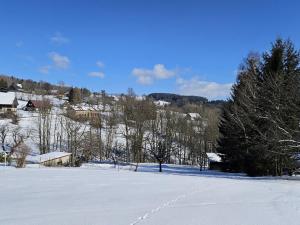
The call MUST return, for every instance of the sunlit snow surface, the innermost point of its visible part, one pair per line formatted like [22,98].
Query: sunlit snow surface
[105,195]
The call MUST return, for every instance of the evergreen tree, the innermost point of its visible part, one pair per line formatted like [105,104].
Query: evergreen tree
[3,84]
[85,92]
[75,95]
[279,103]
[260,124]
[236,125]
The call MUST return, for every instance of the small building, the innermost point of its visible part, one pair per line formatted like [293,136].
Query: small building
[84,111]
[20,86]
[193,116]
[33,105]
[8,102]
[214,161]
[162,103]
[15,87]
[54,92]
[50,159]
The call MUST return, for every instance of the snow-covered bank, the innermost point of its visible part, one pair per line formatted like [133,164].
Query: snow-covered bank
[183,170]
[120,197]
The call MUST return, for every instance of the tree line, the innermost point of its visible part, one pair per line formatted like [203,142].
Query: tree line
[129,130]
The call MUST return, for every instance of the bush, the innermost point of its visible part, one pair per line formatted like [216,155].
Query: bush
[10,115]
[2,158]
[21,153]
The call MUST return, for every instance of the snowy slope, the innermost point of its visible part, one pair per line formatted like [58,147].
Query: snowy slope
[95,196]
[29,120]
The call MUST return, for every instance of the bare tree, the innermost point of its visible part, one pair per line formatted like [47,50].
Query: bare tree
[19,136]
[75,131]
[4,131]
[143,111]
[21,153]
[111,123]
[44,123]
[126,107]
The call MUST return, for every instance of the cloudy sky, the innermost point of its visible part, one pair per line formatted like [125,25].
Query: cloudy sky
[185,47]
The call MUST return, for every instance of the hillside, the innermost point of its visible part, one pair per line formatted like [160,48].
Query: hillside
[181,100]
[102,128]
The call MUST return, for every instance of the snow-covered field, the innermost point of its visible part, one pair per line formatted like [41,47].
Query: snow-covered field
[102,195]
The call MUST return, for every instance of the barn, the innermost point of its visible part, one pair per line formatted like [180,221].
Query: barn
[50,159]
[214,161]
[33,105]
[8,102]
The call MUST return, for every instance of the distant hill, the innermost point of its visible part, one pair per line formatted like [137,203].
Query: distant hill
[216,103]
[178,100]
[27,85]
[181,100]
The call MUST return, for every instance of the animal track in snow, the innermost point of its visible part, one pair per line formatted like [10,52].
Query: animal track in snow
[164,205]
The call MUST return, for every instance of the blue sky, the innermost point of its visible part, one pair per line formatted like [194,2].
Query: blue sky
[186,47]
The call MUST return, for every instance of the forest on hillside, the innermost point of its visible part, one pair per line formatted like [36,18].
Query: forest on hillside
[121,129]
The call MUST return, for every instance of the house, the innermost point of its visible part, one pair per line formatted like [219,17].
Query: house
[8,102]
[85,111]
[162,103]
[50,159]
[15,87]
[54,92]
[33,105]
[214,161]
[193,116]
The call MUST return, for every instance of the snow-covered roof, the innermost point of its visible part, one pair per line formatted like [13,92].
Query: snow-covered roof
[140,98]
[7,98]
[161,103]
[46,157]
[194,115]
[87,107]
[213,157]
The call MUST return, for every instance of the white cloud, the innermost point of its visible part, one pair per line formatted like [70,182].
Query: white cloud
[58,38]
[59,61]
[45,69]
[210,90]
[147,76]
[97,74]
[100,64]
[160,72]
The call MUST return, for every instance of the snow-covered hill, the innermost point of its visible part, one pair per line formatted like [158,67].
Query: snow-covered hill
[101,196]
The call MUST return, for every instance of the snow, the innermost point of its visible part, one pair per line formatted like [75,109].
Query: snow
[7,98]
[213,157]
[194,115]
[26,97]
[87,107]
[161,103]
[101,196]
[46,157]
[4,148]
